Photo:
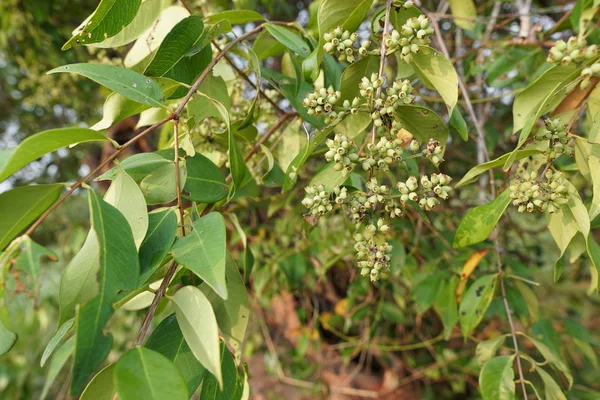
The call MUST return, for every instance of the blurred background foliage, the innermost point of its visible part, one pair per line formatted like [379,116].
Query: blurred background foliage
[316,320]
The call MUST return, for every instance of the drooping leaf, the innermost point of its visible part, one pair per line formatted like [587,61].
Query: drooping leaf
[142,373]
[328,177]
[479,222]
[108,19]
[233,313]
[445,305]
[126,82]
[138,166]
[119,269]
[168,340]
[205,182]
[19,207]
[464,13]
[175,45]
[457,122]
[487,349]
[530,299]
[551,388]
[422,123]
[289,39]
[162,230]
[436,72]
[481,168]
[475,302]
[496,380]
[594,163]
[233,380]
[56,339]
[552,359]
[35,146]
[425,291]
[198,324]
[59,359]
[235,17]
[102,386]
[203,251]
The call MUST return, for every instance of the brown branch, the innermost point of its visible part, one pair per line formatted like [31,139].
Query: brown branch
[382,50]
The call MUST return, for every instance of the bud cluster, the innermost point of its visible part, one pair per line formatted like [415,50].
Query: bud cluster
[558,138]
[373,258]
[344,152]
[574,50]
[341,42]
[415,32]
[426,195]
[529,193]
[317,200]
[587,73]
[434,152]
[321,101]
[381,154]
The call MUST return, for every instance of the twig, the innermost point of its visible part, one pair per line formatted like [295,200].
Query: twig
[178,177]
[524,7]
[388,8]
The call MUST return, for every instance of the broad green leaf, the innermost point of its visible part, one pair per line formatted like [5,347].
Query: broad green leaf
[352,76]
[464,13]
[289,39]
[119,269]
[56,339]
[102,386]
[479,222]
[291,174]
[436,72]
[265,46]
[126,82]
[198,324]
[457,122]
[328,177]
[425,291]
[127,197]
[142,373]
[160,185]
[481,168]
[168,340]
[551,389]
[205,182]
[31,255]
[552,359]
[162,230]
[232,314]
[233,380]
[177,42]
[108,19]
[475,302]
[203,251]
[235,17]
[146,15]
[150,40]
[59,359]
[593,251]
[138,166]
[445,305]
[496,380]
[594,163]
[488,348]
[348,14]
[35,146]
[533,312]
[422,123]
[117,107]
[21,206]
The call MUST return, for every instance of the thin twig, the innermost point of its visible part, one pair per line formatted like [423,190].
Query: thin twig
[388,8]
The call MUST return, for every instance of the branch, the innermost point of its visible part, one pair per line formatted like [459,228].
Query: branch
[388,8]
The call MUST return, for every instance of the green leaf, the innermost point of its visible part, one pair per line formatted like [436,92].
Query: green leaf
[291,175]
[138,166]
[119,269]
[552,359]
[488,348]
[479,222]
[457,122]
[436,72]
[496,380]
[56,339]
[464,13]
[551,388]
[533,312]
[235,17]
[594,163]
[399,16]
[146,15]
[233,381]
[35,146]
[59,359]
[425,291]
[102,386]
[168,340]
[128,83]
[475,302]
[30,255]
[289,39]
[127,197]
[160,185]
[205,182]
[21,206]
[349,14]
[254,64]
[445,305]
[422,123]
[108,19]
[142,373]
[198,324]
[352,76]
[328,177]
[175,45]
[162,230]
[203,251]
[232,314]
[481,168]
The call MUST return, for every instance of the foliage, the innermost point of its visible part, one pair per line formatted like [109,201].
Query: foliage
[198,226]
